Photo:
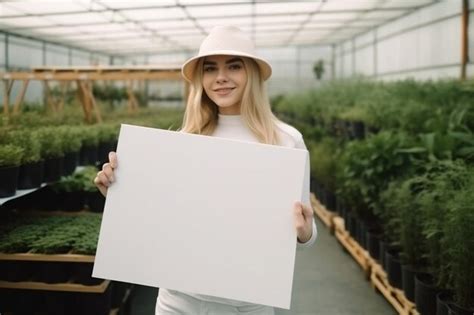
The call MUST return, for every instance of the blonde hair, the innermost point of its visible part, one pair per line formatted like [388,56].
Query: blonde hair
[201,113]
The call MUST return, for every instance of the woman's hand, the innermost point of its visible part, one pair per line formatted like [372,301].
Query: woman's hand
[303,222]
[106,177]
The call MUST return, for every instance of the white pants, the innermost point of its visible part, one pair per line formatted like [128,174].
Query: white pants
[179,303]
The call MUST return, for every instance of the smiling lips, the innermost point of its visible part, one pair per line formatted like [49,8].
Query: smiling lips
[223,91]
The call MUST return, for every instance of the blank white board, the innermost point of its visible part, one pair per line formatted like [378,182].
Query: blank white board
[203,215]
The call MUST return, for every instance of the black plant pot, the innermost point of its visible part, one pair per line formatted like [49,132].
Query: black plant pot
[425,294]
[443,299]
[372,240]
[330,200]
[383,247]
[97,303]
[56,303]
[22,302]
[358,130]
[455,309]
[31,175]
[89,155]
[17,271]
[45,199]
[361,233]
[95,201]
[104,149]
[71,160]
[53,272]
[394,267]
[72,201]
[408,281]
[8,180]
[83,274]
[53,169]
[351,224]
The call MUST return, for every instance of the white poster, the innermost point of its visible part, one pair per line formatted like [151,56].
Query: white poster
[202,215]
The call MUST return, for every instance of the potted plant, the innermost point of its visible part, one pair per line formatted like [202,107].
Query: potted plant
[10,160]
[318,69]
[71,147]
[89,148]
[323,168]
[32,167]
[460,248]
[108,135]
[51,152]
[70,193]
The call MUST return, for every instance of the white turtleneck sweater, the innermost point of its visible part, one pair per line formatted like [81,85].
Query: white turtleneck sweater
[233,127]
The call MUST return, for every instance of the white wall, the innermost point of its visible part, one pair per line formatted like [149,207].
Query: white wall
[424,44]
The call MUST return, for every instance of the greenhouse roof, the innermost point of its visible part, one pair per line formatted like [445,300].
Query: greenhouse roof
[150,27]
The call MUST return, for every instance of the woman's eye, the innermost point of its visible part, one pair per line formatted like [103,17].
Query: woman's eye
[235,67]
[209,69]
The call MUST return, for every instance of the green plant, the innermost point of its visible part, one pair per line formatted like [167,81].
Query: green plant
[324,156]
[10,155]
[368,166]
[459,243]
[90,135]
[51,142]
[318,69]
[107,132]
[72,136]
[28,141]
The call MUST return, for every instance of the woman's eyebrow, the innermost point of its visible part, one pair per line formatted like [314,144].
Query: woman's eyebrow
[233,60]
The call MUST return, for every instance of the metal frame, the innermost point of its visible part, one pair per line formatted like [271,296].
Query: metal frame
[176,43]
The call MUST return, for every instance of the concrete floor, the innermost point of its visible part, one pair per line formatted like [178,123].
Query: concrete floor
[327,281]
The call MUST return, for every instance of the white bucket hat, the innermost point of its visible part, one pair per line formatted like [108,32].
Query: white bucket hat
[226,40]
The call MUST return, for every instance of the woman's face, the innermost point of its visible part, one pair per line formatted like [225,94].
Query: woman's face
[224,79]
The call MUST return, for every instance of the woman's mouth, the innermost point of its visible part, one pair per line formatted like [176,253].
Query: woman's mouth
[223,91]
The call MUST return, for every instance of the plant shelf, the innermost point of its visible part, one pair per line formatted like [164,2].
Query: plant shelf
[20,192]
[49,257]
[64,287]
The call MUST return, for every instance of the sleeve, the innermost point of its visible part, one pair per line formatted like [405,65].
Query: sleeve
[306,194]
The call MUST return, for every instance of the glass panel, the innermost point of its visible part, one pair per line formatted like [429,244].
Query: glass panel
[44,7]
[77,18]
[220,10]
[150,14]
[300,7]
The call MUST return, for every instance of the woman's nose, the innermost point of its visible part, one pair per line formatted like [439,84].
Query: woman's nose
[221,76]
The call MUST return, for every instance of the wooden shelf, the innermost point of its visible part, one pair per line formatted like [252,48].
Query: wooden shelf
[44,257]
[19,193]
[64,287]
[394,296]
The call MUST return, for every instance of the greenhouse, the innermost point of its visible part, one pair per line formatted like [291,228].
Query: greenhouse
[328,162]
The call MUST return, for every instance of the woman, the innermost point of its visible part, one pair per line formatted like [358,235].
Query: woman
[228,99]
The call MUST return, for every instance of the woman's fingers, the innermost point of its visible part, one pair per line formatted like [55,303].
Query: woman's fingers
[303,221]
[109,172]
[113,159]
[106,177]
[299,216]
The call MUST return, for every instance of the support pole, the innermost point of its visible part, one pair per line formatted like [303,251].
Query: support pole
[81,90]
[20,97]
[6,97]
[464,38]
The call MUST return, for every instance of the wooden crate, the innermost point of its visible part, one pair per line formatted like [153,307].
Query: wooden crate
[394,296]
[360,255]
[323,214]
